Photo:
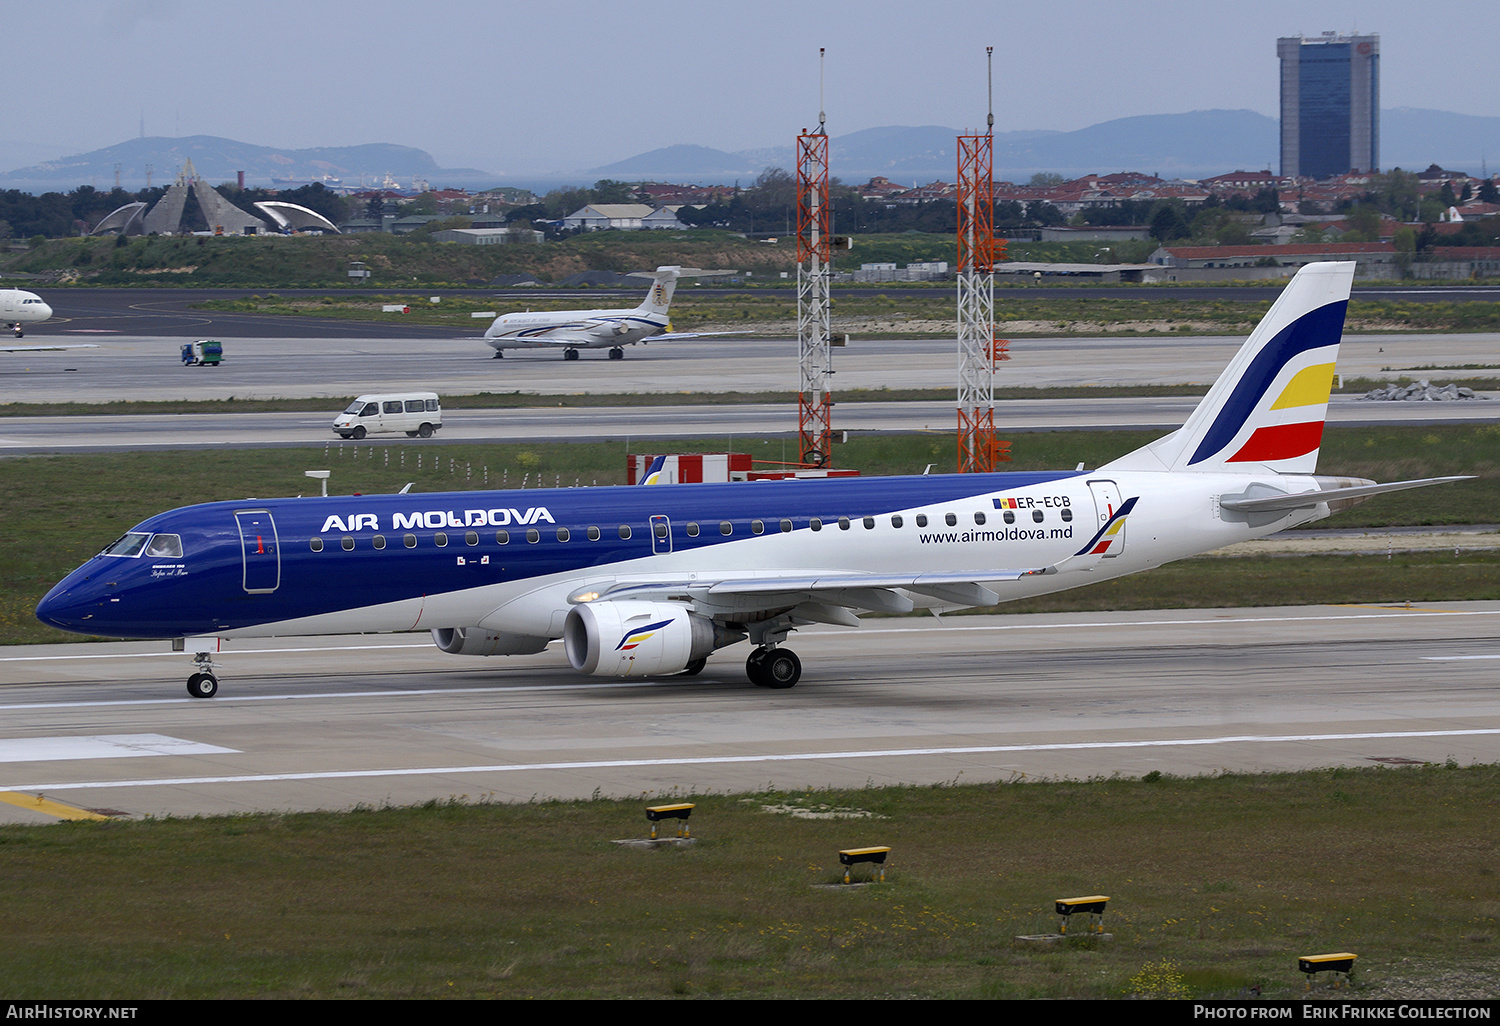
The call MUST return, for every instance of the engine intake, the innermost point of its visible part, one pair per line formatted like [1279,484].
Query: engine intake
[636,639]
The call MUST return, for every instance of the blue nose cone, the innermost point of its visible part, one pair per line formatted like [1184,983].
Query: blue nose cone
[67,607]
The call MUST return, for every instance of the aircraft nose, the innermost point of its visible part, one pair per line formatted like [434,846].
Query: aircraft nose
[46,311]
[67,608]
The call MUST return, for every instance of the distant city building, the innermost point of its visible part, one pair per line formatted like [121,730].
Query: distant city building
[1330,104]
[488,236]
[626,216]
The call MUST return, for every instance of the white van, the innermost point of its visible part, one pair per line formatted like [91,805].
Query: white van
[416,413]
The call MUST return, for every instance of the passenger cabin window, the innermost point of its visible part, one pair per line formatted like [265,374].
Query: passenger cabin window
[415,406]
[843,523]
[410,541]
[624,532]
[1067,515]
[593,534]
[1010,518]
[725,527]
[440,539]
[869,523]
[471,538]
[347,543]
[432,405]
[563,534]
[815,524]
[896,520]
[533,535]
[757,527]
[316,544]
[692,530]
[1036,515]
[950,520]
[978,518]
[786,527]
[165,545]
[378,541]
[921,519]
[393,406]
[502,537]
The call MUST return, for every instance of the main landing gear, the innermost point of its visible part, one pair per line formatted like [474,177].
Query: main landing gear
[776,668]
[203,683]
[570,354]
[617,353]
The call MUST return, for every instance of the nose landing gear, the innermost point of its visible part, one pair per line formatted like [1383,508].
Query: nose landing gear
[203,683]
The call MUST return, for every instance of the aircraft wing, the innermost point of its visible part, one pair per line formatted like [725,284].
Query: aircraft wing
[569,341]
[821,598]
[678,336]
[46,349]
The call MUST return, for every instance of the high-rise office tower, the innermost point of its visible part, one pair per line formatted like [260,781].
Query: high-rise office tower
[1330,104]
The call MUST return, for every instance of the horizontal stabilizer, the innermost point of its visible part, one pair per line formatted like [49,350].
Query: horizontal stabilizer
[1307,500]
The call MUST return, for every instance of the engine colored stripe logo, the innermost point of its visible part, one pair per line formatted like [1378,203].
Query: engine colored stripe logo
[1280,442]
[1309,386]
[640,635]
[1313,330]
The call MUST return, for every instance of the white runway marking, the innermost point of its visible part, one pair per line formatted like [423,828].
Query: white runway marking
[1454,659]
[101,746]
[266,778]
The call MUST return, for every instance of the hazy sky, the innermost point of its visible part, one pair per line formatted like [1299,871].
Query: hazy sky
[555,86]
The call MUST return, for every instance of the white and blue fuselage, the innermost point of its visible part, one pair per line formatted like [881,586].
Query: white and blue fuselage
[652,580]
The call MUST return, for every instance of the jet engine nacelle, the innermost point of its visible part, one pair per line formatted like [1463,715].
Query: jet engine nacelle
[476,641]
[634,639]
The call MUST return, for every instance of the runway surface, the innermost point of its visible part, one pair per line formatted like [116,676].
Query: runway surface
[104,433]
[335,722]
[171,313]
[132,367]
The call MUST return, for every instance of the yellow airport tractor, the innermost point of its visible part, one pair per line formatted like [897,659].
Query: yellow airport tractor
[203,353]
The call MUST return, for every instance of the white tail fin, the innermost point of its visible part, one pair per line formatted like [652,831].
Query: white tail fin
[1267,409]
[659,300]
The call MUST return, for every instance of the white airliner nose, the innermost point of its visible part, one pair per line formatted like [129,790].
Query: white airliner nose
[46,311]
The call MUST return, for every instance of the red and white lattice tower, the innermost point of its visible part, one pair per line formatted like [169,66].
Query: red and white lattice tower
[978,348]
[814,271]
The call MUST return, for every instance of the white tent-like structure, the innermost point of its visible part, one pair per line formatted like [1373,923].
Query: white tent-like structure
[165,217]
[292,217]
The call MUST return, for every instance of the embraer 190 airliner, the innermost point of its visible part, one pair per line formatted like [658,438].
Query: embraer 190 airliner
[651,580]
[572,330]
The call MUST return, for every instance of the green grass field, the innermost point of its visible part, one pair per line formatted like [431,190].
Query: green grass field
[1216,884]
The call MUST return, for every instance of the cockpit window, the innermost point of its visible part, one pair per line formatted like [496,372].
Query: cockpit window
[165,545]
[129,544]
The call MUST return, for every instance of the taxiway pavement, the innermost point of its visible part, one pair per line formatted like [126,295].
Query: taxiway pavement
[330,723]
